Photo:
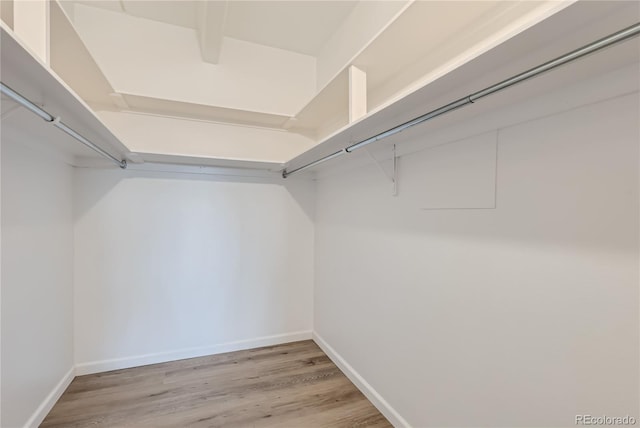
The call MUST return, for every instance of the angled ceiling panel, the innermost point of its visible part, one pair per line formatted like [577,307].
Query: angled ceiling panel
[302,26]
[182,13]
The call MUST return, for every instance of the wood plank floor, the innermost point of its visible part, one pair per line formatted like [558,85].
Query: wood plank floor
[293,385]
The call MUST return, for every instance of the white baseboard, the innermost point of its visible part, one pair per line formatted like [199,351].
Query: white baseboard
[163,357]
[381,404]
[47,404]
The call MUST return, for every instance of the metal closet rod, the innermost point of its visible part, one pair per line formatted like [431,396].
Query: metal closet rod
[55,121]
[595,46]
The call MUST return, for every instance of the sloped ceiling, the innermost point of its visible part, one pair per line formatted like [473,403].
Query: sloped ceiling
[182,13]
[301,27]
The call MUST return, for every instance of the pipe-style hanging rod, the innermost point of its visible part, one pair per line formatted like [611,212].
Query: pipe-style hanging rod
[617,37]
[55,121]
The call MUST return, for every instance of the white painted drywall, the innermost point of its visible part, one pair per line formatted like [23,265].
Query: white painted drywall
[459,174]
[526,314]
[159,60]
[37,275]
[179,264]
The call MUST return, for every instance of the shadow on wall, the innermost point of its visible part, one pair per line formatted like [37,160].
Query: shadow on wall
[298,188]
[168,261]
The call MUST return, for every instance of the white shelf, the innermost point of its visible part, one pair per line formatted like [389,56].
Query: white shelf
[36,81]
[570,28]
[173,108]
[177,159]
[403,81]
[410,52]
[72,61]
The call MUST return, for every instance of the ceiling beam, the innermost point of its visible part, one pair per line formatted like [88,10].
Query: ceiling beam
[211,17]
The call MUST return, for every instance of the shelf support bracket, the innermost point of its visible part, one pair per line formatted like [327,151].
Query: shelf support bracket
[391,176]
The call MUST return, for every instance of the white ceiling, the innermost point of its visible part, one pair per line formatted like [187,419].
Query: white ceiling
[182,12]
[176,12]
[114,5]
[298,26]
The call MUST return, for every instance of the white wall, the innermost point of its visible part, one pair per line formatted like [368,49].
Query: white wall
[522,315]
[175,265]
[37,274]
